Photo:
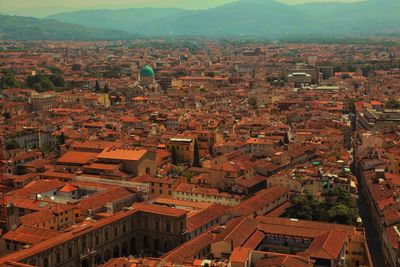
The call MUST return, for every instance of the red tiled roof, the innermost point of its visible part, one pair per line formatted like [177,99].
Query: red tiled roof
[77,157]
[157,209]
[254,240]
[327,245]
[240,255]
[189,248]
[262,199]
[122,154]
[68,188]
[274,259]
[30,234]
[203,217]
[38,187]
[37,217]
[102,198]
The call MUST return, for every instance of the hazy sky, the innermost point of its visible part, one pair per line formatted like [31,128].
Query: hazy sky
[40,8]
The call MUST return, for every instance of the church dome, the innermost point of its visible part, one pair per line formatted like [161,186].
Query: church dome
[147,71]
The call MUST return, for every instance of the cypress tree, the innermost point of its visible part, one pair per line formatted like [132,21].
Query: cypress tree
[62,138]
[174,156]
[106,89]
[196,156]
[286,138]
[97,87]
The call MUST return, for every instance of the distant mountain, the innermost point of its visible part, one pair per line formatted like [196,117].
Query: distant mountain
[268,18]
[242,17]
[129,20]
[26,28]
[366,17]
[250,17]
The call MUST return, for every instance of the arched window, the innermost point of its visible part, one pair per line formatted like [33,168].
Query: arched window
[156,244]
[116,252]
[146,242]
[107,255]
[133,245]
[146,222]
[106,234]
[98,259]
[83,247]
[58,256]
[166,246]
[168,227]
[70,250]
[124,251]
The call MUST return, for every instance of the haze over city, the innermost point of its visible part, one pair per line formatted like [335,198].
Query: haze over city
[42,8]
[199,133]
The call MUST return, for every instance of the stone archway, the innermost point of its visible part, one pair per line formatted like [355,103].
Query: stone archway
[124,250]
[133,246]
[107,255]
[116,252]
[98,260]
[156,244]
[145,242]
[167,245]
[46,262]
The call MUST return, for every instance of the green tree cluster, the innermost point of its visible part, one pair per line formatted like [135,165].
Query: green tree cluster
[12,144]
[196,155]
[174,156]
[76,67]
[43,82]
[7,115]
[392,104]
[9,81]
[62,138]
[337,208]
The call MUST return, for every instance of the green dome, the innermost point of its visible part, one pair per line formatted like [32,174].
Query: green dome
[147,71]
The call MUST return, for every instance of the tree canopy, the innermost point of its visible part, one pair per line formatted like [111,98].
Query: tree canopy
[43,82]
[392,104]
[338,207]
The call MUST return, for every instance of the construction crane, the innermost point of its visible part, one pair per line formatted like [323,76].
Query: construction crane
[3,184]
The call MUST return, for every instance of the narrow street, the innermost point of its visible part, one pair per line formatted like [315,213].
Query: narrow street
[371,235]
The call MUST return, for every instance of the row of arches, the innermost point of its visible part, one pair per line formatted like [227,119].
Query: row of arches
[126,247]
[156,245]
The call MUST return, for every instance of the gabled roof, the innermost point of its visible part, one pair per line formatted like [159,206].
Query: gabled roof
[37,217]
[260,200]
[283,260]
[237,231]
[327,245]
[122,154]
[76,157]
[158,209]
[68,188]
[30,235]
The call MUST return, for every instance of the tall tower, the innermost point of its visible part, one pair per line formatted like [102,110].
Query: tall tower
[3,184]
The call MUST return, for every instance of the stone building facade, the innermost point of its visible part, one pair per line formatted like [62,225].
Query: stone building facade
[135,231]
